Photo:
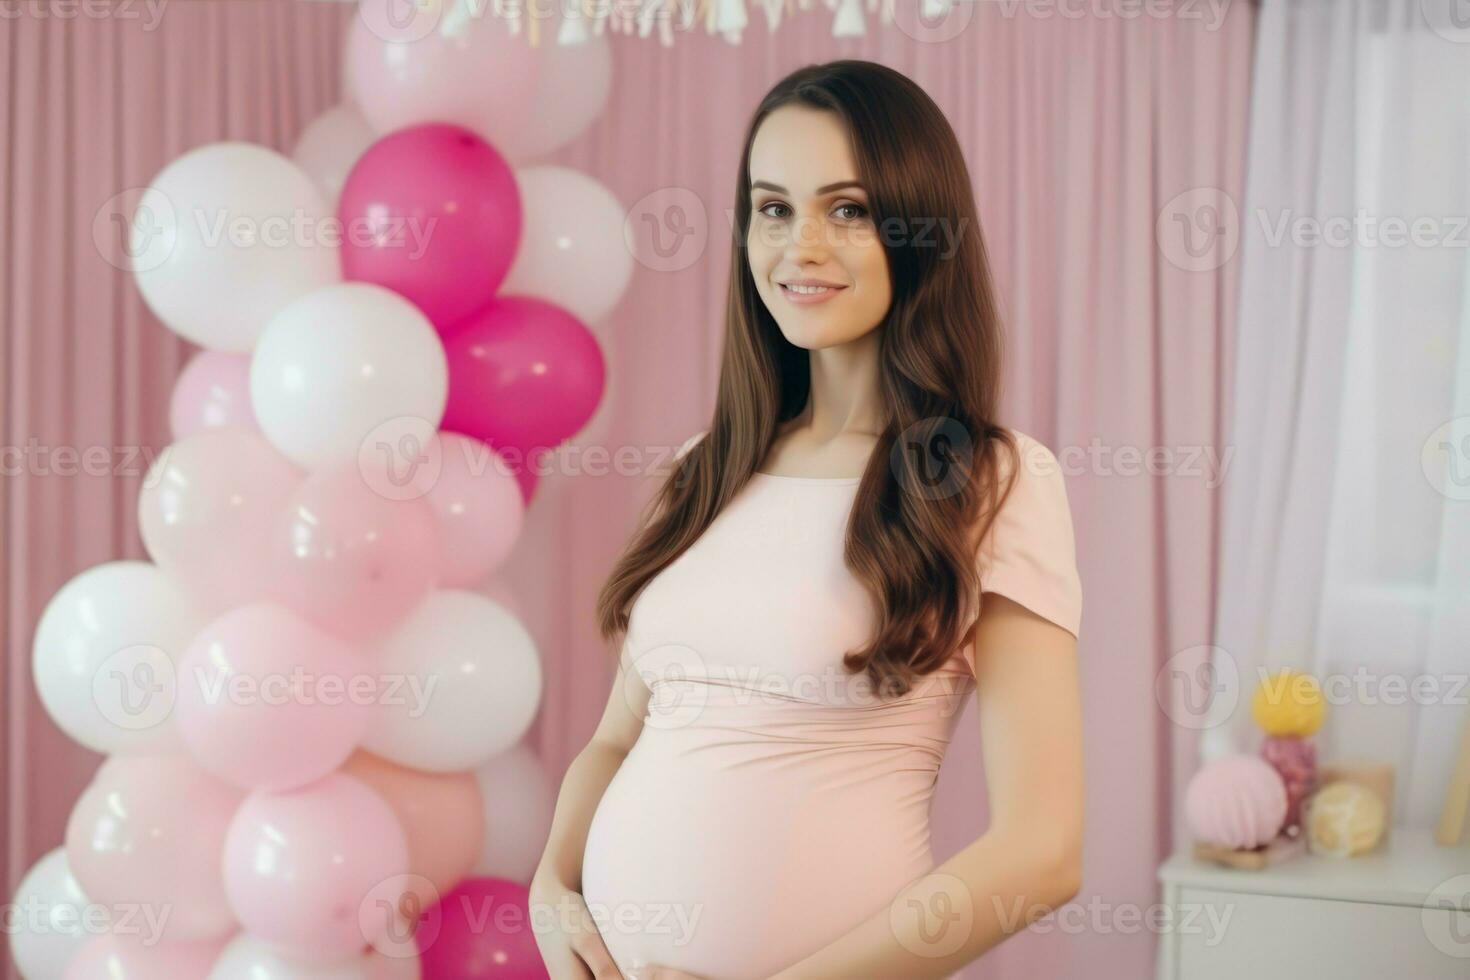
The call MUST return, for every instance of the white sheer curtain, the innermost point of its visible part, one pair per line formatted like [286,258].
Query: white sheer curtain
[1346,531]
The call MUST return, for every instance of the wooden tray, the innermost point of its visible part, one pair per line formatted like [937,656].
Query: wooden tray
[1283,848]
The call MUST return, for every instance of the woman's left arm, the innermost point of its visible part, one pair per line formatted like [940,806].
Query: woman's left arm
[1029,861]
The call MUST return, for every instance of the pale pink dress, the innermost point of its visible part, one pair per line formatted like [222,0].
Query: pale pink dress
[771,803]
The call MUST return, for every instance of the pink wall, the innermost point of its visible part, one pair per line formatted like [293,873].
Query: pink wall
[1077,132]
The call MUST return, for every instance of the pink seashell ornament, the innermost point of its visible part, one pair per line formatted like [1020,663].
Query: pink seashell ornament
[1238,801]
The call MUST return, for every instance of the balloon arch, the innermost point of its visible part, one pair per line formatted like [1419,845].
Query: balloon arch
[313,694]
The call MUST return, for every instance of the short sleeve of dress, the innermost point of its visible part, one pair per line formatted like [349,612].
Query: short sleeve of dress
[1029,553]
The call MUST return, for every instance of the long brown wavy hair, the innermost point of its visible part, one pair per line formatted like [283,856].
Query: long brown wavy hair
[930,490]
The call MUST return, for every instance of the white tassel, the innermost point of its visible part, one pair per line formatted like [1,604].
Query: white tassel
[458,14]
[849,21]
[509,11]
[936,9]
[730,19]
[620,19]
[573,29]
[687,11]
[656,11]
[647,10]
[597,17]
[774,10]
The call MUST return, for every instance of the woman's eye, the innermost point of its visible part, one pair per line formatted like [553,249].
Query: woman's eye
[858,209]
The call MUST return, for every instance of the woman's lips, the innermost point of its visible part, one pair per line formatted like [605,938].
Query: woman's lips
[810,298]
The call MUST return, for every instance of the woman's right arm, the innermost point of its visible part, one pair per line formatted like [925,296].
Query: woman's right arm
[572,938]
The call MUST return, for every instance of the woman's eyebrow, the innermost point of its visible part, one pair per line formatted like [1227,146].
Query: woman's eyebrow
[824,189]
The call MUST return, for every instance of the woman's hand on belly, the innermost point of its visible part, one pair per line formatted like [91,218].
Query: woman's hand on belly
[657,972]
[566,933]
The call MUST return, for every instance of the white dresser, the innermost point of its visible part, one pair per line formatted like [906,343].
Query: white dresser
[1400,912]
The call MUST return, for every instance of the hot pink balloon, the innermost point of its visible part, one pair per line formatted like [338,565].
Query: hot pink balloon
[523,373]
[111,956]
[432,212]
[268,701]
[479,506]
[148,830]
[213,391]
[206,509]
[481,931]
[307,869]
[350,558]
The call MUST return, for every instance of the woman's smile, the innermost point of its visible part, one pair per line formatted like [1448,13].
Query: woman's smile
[809,295]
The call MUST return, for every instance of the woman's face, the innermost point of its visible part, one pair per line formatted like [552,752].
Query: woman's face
[810,220]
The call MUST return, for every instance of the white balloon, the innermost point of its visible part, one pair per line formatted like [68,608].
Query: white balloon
[473,684]
[330,145]
[224,237]
[52,918]
[249,958]
[106,655]
[573,223]
[341,362]
[519,801]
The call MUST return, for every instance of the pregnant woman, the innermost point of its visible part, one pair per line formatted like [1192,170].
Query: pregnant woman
[800,610]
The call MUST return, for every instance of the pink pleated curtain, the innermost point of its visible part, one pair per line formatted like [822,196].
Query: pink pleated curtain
[1078,125]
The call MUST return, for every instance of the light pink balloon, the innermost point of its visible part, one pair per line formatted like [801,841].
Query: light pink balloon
[330,145]
[348,557]
[478,504]
[574,84]
[213,391]
[268,701]
[109,956]
[149,831]
[206,509]
[445,62]
[306,869]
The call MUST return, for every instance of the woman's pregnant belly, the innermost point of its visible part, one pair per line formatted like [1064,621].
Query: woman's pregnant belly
[737,845]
